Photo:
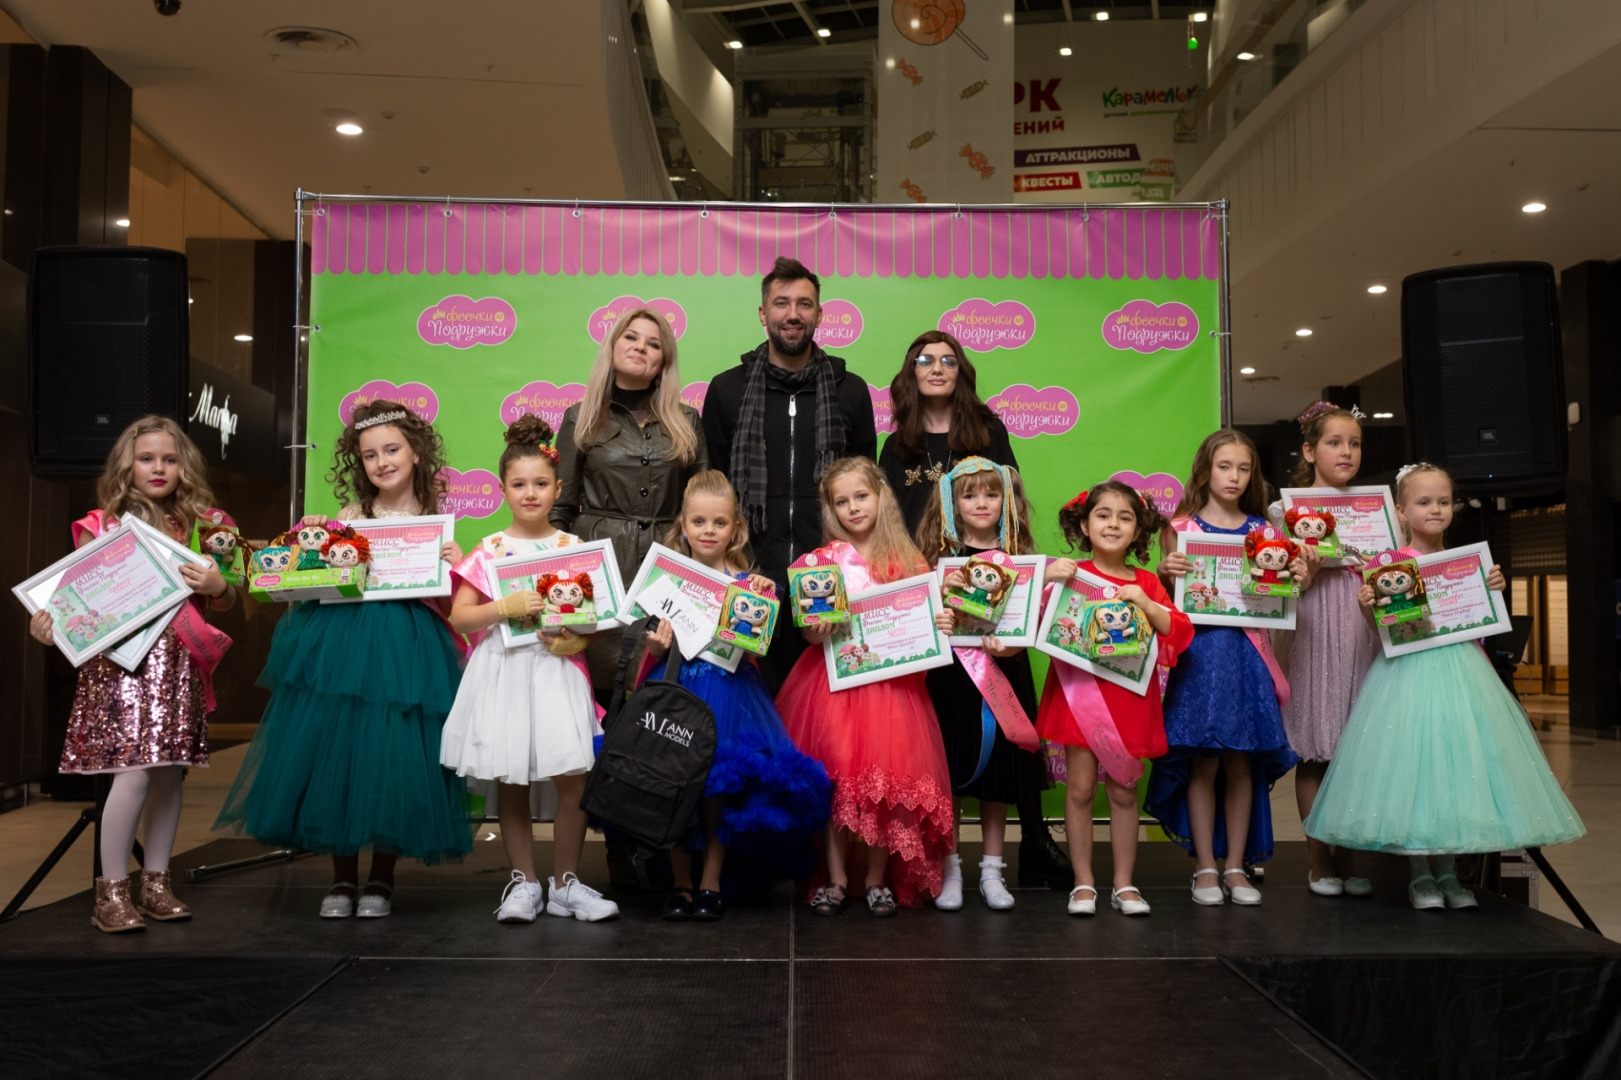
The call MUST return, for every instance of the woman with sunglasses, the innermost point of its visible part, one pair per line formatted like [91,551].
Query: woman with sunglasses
[939,421]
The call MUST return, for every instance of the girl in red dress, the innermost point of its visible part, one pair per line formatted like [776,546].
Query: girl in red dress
[1096,720]
[880,742]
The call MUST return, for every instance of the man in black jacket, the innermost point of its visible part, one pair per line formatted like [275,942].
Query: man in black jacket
[774,423]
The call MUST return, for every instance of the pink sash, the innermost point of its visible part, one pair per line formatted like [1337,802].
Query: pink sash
[1258,638]
[1091,715]
[207,644]
[473,570]
[998,693]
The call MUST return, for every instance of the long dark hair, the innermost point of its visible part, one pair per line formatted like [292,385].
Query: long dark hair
[348,474]
[970,417]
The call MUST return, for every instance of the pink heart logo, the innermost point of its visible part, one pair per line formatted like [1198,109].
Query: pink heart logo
[462,322]
[883,409]
[1146,327]
[544,399]
[418,397]
[472,494]
[1161,489]
[602,320]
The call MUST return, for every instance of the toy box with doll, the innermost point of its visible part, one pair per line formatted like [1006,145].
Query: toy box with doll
[567,599]
[1112,628]
[321,561]
[816,591]
[221,541]
[1268,551]
[1313,527]
[988,582]
[748,619]
[1398,587]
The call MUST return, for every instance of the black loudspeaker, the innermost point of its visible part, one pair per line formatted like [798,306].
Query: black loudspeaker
[109,339]
[1484,375]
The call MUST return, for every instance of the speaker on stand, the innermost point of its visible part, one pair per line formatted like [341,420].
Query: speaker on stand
[109,341]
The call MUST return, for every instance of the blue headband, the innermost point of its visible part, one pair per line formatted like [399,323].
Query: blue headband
[1007,530]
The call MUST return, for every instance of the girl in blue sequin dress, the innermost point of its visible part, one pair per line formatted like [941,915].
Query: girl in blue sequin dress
[1223,718]
[347,753]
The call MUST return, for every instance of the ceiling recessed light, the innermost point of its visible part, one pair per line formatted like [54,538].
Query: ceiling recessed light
[677,179]
[734,44]
[822,31]
[1246,56]
[244,337]
[190,300]
[1065,51]
[1533,208]
[1303,332]
[1201,16]
[1377,290]
[1246,371]
[349,127]
[1101,16]
[1384,416]
[122,223]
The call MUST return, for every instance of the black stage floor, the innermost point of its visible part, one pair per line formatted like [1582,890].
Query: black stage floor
[775,991]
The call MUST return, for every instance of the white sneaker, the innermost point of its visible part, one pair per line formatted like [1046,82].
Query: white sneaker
[950,898]
[991,884]
[1236,884]
[1083,905]
[574,897]
[522,900]
[1210,895]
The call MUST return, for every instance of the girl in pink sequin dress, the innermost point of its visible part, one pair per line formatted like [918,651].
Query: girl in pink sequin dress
[146,726]
[880,742]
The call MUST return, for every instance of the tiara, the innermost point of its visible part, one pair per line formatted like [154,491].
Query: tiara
[380,418]
[1418,466]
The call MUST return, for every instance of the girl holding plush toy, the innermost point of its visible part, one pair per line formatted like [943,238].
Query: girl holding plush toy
[1437,758]
[347,754]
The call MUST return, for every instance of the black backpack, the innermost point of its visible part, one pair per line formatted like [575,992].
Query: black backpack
[657,747]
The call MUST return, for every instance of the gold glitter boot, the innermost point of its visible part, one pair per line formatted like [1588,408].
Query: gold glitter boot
[114,913]
[156,899]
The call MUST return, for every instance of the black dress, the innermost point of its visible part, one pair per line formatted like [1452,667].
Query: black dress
[912,481]
[958,704]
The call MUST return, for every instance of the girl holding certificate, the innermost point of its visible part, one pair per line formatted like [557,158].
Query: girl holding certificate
[347,754]
[1437,759]
[1332,645]
[879,741]
[1223,722]
[145,727]
[525,713]
[765,802]
[1094,720]
[978,507]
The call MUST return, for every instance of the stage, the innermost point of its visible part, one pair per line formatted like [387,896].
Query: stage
[774,991]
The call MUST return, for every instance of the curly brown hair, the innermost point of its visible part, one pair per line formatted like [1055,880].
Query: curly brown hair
[529,436]
[348,473]
[1073,517]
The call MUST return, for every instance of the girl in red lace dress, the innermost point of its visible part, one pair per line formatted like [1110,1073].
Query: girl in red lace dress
[879,742]
[1095,720]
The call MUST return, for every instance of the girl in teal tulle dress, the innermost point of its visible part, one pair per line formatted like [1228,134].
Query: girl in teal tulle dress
[347,753]
[1438,759]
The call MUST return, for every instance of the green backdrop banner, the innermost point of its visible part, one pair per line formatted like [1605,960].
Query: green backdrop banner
[1093,329]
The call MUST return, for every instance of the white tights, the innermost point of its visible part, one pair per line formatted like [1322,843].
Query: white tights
[156,791]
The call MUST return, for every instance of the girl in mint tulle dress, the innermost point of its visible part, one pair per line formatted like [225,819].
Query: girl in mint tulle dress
[1438,759]
[347,753]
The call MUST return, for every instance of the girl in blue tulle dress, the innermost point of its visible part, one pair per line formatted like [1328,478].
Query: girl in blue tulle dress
[1223,718]
[765,802]
[347,753]
[1438,759]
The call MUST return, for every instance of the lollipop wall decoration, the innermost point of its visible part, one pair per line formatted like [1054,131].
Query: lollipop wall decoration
[930,22]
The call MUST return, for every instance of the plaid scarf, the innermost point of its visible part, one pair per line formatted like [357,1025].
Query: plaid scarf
[748,442]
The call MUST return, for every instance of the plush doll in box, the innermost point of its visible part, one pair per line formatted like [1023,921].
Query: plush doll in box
[749,619]
[341,551]
[988,582]
[1267,555]
[816,590]
[1114,628]
[567,599]
[274,558]
[1398,587]
[1313,528]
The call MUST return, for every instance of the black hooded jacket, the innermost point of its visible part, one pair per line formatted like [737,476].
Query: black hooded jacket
[793,502]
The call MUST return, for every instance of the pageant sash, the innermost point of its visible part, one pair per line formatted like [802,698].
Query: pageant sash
[1258,637]
[999,697]
[1092,716]
[207,644]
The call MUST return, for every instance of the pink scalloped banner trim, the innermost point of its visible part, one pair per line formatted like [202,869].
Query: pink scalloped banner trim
[501,238]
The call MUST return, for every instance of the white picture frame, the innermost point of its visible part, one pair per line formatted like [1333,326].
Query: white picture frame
[1462,608]
[131,652]
[1135,673]
[386,535]
[1218,564]
[886,620]
[1022,617]
[594,557]
[1364,517]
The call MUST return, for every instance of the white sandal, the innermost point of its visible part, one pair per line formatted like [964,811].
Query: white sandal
[1088,906]
[1138,906]
[1243,893]
[1210,895]
[335,905]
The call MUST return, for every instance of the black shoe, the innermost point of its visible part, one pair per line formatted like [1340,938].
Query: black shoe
[709,907]
[678,906]
[1044,865]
